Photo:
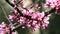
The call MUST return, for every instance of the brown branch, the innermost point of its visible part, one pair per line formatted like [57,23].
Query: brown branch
[49,12]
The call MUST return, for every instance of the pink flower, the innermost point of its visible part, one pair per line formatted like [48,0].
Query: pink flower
[23,27]
[36,6]
[24,11]
[34,22]
[40,15]
[37,26]
[11,17]
[34,16]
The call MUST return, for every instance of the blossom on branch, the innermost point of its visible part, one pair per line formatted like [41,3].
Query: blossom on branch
[5,29]
[53,4]
[28,18]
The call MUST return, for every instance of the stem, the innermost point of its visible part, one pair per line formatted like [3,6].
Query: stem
[6,15]
[49,12]
[41,31]
[9,3]
[10,21]
[16,27]
[37,31]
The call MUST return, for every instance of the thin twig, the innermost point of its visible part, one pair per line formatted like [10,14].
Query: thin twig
[6,15]
[14,23]
[16,27]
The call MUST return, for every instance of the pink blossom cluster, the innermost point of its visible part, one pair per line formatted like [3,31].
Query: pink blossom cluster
[4,29]
[53,3]
[29,18]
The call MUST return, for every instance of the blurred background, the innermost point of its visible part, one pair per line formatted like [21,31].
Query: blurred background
[53,27]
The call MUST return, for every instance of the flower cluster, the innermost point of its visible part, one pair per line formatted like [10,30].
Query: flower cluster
[29,18]
[53,4]
[5,29]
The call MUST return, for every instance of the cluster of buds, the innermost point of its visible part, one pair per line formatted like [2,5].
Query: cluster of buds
[53,4]
[29,18]
[5,29]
